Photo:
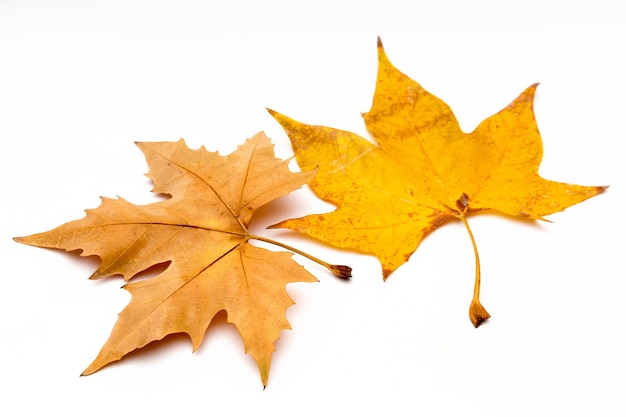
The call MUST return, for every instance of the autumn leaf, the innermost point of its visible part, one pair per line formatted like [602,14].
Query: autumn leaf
[202,232]
[422,172]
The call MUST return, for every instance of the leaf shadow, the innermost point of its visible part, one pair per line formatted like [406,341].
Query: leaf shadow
[92,262]
[88,263]
[157,351]
[150,272]
[527,221]
[276,211]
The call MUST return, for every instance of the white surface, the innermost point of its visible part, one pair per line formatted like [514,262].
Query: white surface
[80,81]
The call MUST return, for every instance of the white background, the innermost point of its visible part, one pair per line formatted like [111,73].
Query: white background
[80,81]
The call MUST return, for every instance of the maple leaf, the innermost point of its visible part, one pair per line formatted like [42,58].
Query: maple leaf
[423,172]
[202,231]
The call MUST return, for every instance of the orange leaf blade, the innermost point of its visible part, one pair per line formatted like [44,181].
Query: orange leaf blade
[201,233]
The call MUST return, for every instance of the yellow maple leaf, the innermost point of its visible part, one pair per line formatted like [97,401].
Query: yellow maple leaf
[422,172]
[202,231]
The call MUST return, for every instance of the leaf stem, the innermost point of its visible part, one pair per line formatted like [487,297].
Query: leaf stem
[341,271]
[477,312]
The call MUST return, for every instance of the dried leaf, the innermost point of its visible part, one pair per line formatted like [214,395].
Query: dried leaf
[423,172]
[202,231]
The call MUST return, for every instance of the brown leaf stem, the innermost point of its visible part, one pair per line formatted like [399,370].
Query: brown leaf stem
[477,312]
[341,271]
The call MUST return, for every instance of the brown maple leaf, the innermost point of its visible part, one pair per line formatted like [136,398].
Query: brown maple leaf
[423,172]
[202,231]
